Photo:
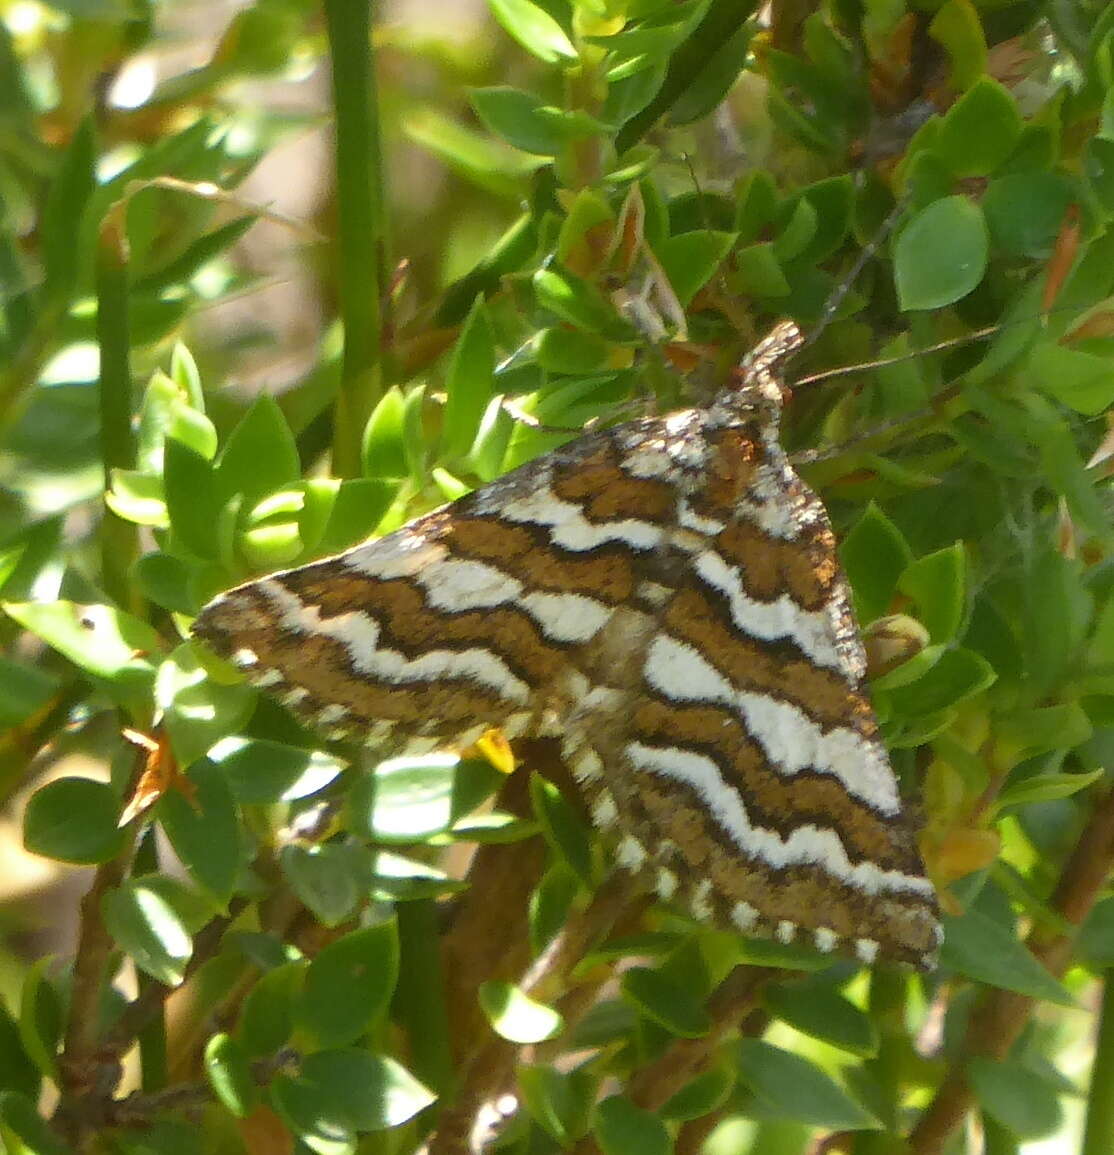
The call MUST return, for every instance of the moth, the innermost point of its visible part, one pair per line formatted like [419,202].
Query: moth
[664,597]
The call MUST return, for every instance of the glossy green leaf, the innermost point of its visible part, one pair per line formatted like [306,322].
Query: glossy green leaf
[520,119]
[515,1016]
[551,903]
[956,26]
[148,930]
[229,1074]
[138,498]
[981,949]
[205,830]
[941,255]
[563,829]
[666,1002]
[17,1070]
[260,455]
[348,986]
[407,799]
[359,506]
[261,771]
[758,271]
[73,820]
[533,27]
[397,878]
[620,1128]
[710,84]
[790,1087]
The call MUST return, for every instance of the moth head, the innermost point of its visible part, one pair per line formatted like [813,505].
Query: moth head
[758,391]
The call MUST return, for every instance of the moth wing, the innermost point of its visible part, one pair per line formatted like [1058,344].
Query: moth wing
[469,617]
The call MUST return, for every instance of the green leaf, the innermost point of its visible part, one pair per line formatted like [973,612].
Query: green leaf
[666,1002]
[366,1092]
[349,985]
[621,1128]
[534,29]
[138,498]
[941,255]
[24,691]
[824,1014]
[17,1070]
[563,829]
[561,1103]
[41,1018]
[959,674]
[197,710]
[384,444]
[574,300]
[936,583]
[1082,381]
[1035,731]
[979,131]
[874,555]
[102,640]
[148,930]
[984,950]
[710,84]
[399,879]
[524,121]
[515,1016]
[551,903]
[229,1074]
[758,271]
[564,350]
[360,505]
[1024,1103]
[267,1018]
[260,455]
[62,214]
[205,830]
[328,879]
[700,1096]
[956,26]
[264,772]
[469,382]
[790,1087]
[1025,210]
[690,259]
[23,1130]
[73,820]
[190,487]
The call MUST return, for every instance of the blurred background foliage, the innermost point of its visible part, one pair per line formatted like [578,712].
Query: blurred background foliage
[274,280]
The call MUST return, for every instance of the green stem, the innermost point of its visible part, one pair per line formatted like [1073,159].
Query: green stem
[151,1037]
[119,544]
[360,241]
[1098,1138]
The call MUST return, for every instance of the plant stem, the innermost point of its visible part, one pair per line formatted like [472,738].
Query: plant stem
[1098,1137]
[119,544]
[360,242]
[999,1016]
[151,1037]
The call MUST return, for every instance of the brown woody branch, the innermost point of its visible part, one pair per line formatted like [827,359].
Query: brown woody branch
[1000,1016]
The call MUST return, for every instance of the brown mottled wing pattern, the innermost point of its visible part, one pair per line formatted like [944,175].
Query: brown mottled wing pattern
[665,596]
[475,615]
